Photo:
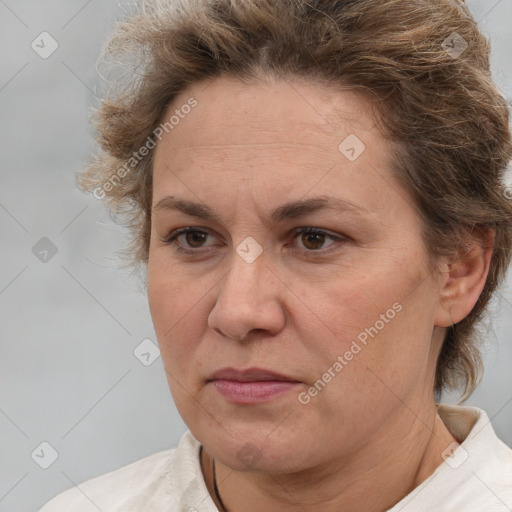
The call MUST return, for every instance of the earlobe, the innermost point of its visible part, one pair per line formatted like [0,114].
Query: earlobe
[464,281]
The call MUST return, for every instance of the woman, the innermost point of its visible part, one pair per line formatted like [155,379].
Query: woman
[316,190]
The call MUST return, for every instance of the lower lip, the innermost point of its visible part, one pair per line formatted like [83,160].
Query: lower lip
[252,392]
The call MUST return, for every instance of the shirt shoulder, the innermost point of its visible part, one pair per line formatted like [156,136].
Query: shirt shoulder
[475,476]
[158,482]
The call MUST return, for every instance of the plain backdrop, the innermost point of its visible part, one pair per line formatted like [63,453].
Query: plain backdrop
[72,388]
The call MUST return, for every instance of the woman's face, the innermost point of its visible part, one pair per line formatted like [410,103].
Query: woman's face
[343,313]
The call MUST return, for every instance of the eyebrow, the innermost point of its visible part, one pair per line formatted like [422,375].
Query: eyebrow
[291,210]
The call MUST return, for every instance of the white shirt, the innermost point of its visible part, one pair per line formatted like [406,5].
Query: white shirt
[476,478]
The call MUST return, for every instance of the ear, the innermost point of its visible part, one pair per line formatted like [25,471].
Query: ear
[464,279]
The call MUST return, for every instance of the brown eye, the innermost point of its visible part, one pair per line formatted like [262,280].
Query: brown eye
[190,239]
[195,238]
[312,239]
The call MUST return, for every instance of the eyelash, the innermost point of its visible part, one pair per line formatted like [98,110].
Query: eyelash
[171,239]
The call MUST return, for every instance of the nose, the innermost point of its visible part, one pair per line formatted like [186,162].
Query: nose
[250,300]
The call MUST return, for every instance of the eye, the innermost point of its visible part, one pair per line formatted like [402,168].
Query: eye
[313,239]
[192,239]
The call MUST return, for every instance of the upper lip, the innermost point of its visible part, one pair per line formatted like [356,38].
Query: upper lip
[249,375]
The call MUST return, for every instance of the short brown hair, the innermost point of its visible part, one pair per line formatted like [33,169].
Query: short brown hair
[424,64]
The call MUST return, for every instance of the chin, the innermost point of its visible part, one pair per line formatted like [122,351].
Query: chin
[255,448]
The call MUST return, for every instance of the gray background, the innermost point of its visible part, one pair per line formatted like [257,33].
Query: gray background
[70,324]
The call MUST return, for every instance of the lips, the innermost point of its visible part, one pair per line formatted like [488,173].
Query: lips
[251,386]
[250,375]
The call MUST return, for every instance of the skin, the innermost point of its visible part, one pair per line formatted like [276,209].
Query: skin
[372,434]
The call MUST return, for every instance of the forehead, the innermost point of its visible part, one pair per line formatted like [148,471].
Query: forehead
[240,121]
[271,109]
[275,138]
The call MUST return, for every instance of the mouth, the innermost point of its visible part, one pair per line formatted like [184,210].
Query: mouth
[253,385]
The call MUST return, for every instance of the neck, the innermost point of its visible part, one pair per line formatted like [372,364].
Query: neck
[373,479]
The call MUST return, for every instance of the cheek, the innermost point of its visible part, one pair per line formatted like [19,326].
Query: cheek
[178,331]
[379,320]
[178,310]
[167,301]
[353,299]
